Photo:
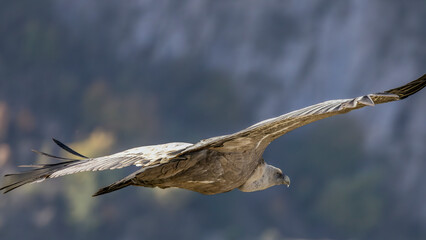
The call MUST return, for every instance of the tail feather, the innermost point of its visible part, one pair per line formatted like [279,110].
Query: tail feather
[113,187]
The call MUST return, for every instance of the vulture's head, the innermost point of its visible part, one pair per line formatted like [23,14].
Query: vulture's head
[265,176]
[280,178]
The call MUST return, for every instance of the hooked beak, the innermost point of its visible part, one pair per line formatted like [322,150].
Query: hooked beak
[286,180]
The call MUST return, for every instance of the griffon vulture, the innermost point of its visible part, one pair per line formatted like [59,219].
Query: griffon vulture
[214,165]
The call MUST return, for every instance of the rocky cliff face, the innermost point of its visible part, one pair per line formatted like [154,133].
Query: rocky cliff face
[270,57]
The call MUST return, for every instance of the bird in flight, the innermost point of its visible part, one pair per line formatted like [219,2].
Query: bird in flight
[214,165]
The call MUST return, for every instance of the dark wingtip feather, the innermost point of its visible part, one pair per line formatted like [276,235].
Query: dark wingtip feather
[40,171]
[16,180]
[409,88]
[68,149]
[52,156]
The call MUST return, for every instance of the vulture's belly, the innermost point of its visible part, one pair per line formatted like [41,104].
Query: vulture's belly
[214,172]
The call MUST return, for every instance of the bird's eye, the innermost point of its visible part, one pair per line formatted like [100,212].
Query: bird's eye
[278,175]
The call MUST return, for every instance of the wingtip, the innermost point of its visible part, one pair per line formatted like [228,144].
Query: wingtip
[409,88]
[35,151]
[52,156]
[68,149]
[56,141]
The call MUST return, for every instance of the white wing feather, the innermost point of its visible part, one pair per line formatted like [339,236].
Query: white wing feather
[140,157]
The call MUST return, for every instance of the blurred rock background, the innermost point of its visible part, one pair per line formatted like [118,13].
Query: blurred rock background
[108,75]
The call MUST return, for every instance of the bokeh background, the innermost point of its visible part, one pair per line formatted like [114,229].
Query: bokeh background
[104,76]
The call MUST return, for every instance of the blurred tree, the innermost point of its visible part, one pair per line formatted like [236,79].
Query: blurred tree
[76,189]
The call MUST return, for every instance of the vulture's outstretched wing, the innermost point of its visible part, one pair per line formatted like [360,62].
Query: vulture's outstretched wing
[266,131]
[142,157]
